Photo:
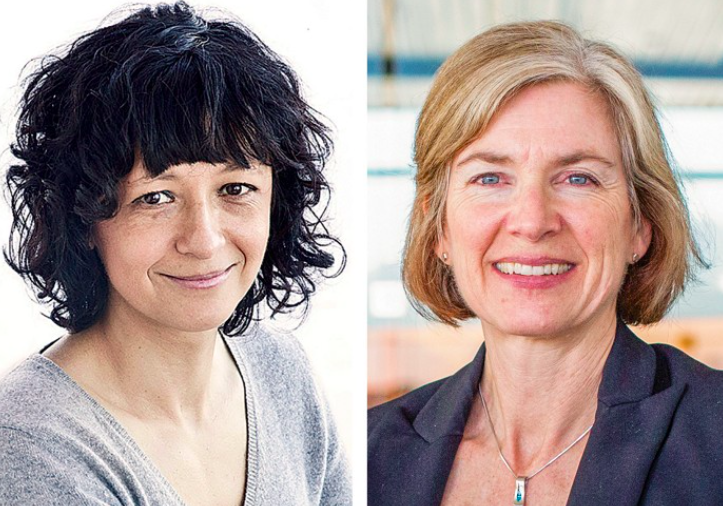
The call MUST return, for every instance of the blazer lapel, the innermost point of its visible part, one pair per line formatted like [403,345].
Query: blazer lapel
[636,404]
[441,426]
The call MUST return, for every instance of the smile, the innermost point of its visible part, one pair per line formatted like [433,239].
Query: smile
[202,281]
[532,270]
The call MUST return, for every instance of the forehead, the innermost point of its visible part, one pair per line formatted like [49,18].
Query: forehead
[554,118]
[188,171]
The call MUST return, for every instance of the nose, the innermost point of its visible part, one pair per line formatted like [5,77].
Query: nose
[533,215]
[200,231]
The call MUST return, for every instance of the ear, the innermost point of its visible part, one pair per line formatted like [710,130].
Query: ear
[643,236]
[440,249]
[441,243]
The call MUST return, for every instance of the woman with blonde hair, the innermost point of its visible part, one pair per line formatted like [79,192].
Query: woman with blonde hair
[547,208]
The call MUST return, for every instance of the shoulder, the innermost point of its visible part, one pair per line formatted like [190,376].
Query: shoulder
[37,395]
[260,343]
[273,359]
[436,409]
[43,423]
[278,374]
[703,384]
[694,430]
[399,414]
[297,433]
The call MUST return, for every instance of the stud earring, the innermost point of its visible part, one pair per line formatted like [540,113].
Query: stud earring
[635,257]
[444,257]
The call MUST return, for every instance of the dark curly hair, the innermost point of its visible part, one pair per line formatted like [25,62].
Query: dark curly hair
[164,86]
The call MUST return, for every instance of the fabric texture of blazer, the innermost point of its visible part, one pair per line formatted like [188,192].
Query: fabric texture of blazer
[657,437]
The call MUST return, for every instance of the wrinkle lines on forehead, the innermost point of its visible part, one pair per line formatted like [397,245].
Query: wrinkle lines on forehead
[564,160]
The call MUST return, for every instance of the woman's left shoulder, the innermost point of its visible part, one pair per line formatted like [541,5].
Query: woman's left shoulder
[684,367]
[703,384]
[277,348]
[275,362]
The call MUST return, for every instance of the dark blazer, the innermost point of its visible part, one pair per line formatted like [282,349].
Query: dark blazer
[657,438]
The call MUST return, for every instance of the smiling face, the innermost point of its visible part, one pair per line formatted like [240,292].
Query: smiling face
[538,226]
[186,246]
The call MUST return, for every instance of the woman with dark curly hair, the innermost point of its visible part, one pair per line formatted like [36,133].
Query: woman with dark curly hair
[167,176]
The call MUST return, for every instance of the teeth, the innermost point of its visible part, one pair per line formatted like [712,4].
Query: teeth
[532,270]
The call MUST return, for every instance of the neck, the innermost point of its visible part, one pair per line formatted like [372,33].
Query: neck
[542,392]
[153,372]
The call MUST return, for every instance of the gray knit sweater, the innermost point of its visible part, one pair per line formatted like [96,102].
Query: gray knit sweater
[58,446]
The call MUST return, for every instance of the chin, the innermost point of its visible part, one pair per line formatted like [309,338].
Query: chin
[530,325]
[199,323]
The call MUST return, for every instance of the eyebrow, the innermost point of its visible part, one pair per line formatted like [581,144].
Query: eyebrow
[169,176]
[494,158]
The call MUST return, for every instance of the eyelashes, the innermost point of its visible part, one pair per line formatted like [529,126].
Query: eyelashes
[582,180]
[236,189]
[488,179]
[579,179]
[155,198]
[163,197]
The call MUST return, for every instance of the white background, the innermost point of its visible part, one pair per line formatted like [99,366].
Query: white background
[325,42]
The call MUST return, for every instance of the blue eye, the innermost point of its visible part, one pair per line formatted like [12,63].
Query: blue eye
[489,179]
[579,179]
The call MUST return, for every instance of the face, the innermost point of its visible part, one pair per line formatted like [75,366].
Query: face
[538,226]
[185,247]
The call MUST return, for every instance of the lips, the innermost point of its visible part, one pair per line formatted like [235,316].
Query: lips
[201,281]
[201,277]
[534,272]
[549,269]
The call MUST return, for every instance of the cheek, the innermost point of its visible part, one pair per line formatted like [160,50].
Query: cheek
[471,227]
[603,231]
[249,228]
[251,239]
[129,252]
[601,220]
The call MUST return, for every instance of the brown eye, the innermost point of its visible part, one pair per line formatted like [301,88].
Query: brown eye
[155,198]
[235,189]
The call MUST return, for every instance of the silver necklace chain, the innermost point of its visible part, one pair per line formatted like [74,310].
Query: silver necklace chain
[499,448]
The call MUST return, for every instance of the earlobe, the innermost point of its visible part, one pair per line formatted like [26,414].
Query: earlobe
[441,250]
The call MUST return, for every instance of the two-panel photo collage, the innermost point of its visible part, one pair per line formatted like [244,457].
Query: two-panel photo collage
[361,252]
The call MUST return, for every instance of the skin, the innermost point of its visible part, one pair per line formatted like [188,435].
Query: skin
[544,183]
[155,360]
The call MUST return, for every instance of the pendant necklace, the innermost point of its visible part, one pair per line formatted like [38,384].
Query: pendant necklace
[521,481]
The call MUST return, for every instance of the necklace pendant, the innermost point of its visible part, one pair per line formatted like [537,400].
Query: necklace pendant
[520,490]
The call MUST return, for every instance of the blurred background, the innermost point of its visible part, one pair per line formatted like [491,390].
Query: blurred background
[677,46]
[334,82]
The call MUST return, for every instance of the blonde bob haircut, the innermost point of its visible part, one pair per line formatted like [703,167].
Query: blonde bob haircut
[468,90]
